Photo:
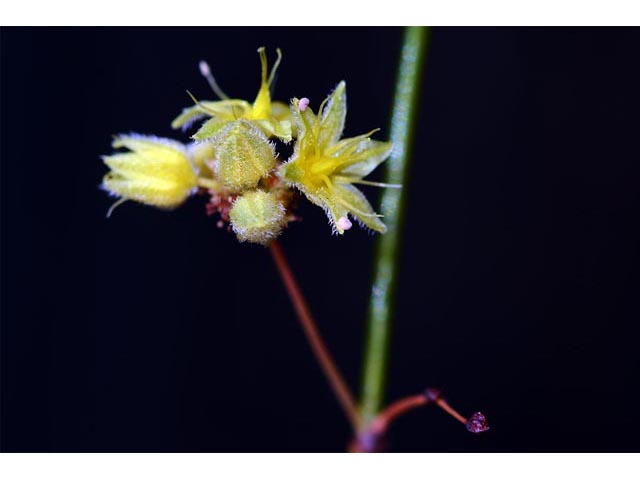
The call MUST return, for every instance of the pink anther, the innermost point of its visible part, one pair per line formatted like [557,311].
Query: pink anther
[344,223]
[204,68]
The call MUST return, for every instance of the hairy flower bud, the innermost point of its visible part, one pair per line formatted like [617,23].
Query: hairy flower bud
[156,171]
[243,155]
[257,217]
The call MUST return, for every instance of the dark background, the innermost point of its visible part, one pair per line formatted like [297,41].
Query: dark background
[155,331]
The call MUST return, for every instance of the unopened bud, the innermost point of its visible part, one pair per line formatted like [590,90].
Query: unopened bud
[155,171]
[477,423]
[257,217]
[243,155]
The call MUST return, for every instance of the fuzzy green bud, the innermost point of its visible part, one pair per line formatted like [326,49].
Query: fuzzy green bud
[257,217]
[243,155]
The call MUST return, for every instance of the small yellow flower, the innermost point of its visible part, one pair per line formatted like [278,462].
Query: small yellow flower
[271,117]
[156,171]
[324,168]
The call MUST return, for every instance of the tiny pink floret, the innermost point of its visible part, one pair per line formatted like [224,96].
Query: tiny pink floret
[204,68]
[344,223]
[303,104]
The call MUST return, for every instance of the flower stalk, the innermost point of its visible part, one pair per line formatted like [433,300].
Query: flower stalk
[334,377]
[371,439]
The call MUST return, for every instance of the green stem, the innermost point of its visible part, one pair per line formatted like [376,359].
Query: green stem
[381,306]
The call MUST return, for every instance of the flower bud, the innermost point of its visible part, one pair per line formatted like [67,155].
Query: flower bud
[257,217]
[243,155]
[156,171]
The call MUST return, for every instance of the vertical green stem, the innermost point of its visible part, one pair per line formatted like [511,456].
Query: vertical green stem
[405,106]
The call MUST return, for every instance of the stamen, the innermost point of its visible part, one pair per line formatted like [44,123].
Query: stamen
[263,65]
[205,71]
[344,223]
[376,184]
[115,205]
[303,104]
[274,69]
[199,104]
[322,105]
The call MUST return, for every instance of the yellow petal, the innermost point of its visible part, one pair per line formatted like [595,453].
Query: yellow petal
[151,191]
[367,156]
[333,117]
[349,197]
[141,143]
[275,128]
[209,129]
[282,113]
[307,126]
[261,108]
[157,171]
[223,109]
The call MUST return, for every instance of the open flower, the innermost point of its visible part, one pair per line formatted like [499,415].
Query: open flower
[155,171]
[324,168]
[271,117]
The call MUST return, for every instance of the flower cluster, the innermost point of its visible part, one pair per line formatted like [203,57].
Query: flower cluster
[233,159]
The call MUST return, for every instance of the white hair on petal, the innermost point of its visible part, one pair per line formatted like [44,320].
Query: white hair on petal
[187,124]
[167,142]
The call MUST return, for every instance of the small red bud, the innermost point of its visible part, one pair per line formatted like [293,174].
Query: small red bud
[477,423]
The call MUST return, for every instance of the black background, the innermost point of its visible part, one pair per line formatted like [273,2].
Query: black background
[155,331]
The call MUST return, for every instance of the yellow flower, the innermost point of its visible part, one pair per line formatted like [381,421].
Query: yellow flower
[271,117]
[155,171]
[324,168]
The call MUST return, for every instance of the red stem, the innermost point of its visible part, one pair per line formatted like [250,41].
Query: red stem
[395,410]
[447,408]
[370,440]
[339,386]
